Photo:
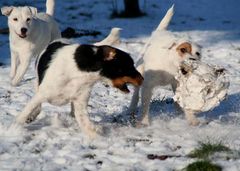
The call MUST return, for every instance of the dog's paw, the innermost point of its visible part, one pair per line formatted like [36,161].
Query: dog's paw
[145,121]
[194,122]
[20,120]
[12,75]
[14,82]
[92,131]
[141,125]
[30,119]
[92,134]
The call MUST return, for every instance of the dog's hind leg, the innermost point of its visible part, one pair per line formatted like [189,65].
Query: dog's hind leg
[81,114]
[14,63]
[72,112]
[24,63]
[134,102]
[29,112]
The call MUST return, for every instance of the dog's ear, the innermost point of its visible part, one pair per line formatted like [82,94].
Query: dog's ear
[184,48]
[109,53]
[172,45]
[6,10]
[33,10]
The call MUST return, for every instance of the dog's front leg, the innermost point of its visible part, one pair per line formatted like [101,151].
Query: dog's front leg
[30,110]
[81,114]
[23,65]
[191,118]
[14,62]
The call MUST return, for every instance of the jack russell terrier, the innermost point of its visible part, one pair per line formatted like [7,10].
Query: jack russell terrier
[67,72]
[30,33]
[163,55]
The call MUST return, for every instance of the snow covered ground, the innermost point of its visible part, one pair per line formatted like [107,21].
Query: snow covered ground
[54,142]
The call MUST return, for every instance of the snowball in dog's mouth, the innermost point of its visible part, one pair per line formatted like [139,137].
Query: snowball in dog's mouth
[201,86]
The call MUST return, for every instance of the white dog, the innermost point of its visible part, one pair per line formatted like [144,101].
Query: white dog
[162,57]
[30,33]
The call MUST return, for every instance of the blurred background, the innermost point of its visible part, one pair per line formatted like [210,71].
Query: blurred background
[91,20]
[140,16]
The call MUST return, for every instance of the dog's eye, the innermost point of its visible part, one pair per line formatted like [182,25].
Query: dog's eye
[28,19]
[198,54]
[15,19]
[183,50]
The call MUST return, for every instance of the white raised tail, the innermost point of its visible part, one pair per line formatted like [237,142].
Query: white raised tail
[166,19]
[50,5]
[112,39]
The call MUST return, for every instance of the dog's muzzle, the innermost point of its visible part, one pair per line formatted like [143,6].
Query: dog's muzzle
[121,83]
[22,35]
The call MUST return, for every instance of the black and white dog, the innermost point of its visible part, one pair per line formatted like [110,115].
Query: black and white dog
[67,72]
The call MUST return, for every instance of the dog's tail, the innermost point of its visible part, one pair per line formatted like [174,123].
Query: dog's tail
[50,5]
[166,19]
[112,39]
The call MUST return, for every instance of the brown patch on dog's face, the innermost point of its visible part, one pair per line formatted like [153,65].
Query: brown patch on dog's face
[121,83]
[184,48]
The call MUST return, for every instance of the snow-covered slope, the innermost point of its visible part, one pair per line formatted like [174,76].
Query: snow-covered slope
[54,142]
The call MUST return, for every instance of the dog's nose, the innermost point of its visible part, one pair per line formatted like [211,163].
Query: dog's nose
[23,30]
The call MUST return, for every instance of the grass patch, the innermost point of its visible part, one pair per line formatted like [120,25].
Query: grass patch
[202,166]
[207,149]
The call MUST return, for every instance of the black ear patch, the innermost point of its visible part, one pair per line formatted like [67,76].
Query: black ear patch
[87,58]
[46,58]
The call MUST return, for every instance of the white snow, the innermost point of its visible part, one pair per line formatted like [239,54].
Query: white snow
[54,142]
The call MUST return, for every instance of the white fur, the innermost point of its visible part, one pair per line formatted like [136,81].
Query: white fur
[50,5]
[41,30]
[160,64]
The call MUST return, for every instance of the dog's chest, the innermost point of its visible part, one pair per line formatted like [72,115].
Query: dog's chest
[21,45]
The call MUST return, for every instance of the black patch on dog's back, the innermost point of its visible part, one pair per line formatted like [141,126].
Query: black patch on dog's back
[87,59]
[45,59]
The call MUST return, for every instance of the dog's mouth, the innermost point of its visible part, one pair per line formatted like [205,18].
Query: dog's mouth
[193,59]
[123,88]
[22,35]
[121,83]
